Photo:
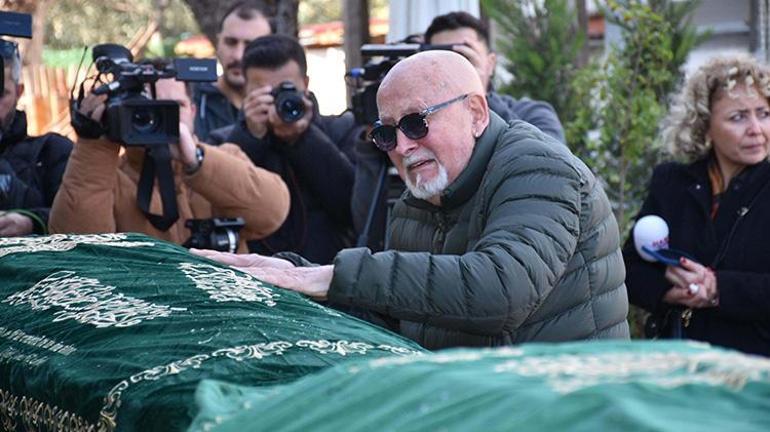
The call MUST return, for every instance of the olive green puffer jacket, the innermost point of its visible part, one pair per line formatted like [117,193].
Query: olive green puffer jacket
[523,248]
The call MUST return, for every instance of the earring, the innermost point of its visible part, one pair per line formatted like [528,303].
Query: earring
[708,142]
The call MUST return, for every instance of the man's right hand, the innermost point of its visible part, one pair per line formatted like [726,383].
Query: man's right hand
[243,260]
[93,106]
[256,107]
[473,55]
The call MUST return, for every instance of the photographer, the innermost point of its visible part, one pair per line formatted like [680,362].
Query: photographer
[99,189]
[312,153]
[219,103]
[31,168]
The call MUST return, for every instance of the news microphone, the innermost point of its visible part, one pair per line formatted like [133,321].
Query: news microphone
[651,241]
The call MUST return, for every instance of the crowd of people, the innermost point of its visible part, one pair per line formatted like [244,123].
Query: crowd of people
[501,236]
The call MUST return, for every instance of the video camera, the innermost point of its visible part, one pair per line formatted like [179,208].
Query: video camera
[132,117]
[220,234]
[366,80]
[12,24]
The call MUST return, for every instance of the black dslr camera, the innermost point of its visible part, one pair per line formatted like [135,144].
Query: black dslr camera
[220,234]
[366,80]
[133,117]
[288,102]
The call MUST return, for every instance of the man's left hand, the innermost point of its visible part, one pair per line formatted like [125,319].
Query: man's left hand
[15,224]
[291,132]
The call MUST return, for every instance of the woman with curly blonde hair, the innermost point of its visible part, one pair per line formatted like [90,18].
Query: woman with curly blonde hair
[716,204]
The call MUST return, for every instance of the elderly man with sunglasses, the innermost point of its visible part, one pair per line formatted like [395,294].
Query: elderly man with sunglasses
[503,237]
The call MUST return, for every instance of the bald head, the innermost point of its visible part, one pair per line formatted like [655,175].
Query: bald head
[437,72]
[445,90]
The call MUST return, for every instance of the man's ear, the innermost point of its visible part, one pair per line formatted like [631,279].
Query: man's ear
[307,82]
[479,113]
[492,57]
[20,90]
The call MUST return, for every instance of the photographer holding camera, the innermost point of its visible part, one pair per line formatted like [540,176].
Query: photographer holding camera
[282,131]
[31,168]
[100,186]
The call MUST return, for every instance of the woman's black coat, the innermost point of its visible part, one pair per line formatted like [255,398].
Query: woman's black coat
[736,244]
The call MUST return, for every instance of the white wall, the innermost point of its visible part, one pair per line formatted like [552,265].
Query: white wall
[729,23]
[408,17]
[326,69]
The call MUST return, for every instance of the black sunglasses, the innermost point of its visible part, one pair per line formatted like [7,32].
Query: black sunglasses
[414,126]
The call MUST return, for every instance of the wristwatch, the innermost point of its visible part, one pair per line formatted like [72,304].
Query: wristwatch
[198,161]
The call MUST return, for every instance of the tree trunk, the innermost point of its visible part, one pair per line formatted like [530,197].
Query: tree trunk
[208,14]
[356,19]
[582,17]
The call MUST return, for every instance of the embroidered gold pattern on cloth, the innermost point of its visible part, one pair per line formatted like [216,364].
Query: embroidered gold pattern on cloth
[38,416]
[88,301]
[224,285]
[569,373]
[108,415]
[63,243]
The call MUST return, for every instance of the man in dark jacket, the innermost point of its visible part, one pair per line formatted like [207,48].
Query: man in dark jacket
[219,103]
[504,236]
[31,168]
[312,153]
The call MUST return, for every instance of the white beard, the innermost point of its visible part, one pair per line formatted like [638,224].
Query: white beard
[427,189]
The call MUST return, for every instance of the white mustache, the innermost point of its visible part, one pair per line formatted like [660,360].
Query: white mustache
[414,158]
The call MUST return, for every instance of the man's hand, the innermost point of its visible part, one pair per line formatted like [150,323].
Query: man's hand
[467,50]
[93,106]
[243,261]
[15,224]
[311,281]
[291,132]
[256,107]
[185,151]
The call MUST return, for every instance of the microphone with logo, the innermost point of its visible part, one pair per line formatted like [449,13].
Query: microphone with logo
[651,243]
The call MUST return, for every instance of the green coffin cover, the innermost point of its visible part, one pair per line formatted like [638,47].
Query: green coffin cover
[588,386]
[114,332]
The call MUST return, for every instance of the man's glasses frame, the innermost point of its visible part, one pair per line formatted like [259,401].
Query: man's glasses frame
[414,126]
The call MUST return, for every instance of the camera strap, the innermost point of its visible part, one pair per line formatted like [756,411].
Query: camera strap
[157,164]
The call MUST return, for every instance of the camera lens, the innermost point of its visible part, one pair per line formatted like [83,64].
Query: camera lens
[291,109]
[144,120]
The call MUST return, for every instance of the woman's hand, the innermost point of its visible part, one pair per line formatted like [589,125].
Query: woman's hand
[694,285]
